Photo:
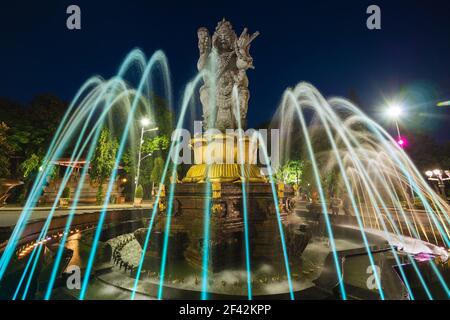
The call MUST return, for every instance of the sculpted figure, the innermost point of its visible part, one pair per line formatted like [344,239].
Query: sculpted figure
[224,59]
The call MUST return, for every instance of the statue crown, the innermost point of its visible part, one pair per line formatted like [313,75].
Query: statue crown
[224,25]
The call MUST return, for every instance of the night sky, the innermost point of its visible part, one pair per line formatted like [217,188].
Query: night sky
[322,42]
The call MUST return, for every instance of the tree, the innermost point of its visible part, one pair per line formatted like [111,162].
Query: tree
[25,134]
[157,171]
[159,143]
[291,172]
[6,151]
[31,165]
[295,171]
[31,126]
[139,194]
[28,169]
[34,124]
[424,151]
[103,160]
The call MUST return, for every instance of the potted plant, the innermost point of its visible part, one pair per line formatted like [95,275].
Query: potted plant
[65,197]
[138,195]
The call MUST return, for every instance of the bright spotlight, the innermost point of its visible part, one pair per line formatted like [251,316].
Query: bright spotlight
[429,173]
[145,122]
[394,111]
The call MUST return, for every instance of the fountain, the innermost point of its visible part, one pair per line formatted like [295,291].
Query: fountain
[227,229]
[225,185]
[215,182]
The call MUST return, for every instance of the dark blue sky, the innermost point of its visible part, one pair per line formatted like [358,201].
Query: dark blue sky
[322,42]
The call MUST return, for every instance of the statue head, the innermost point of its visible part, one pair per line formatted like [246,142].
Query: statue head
[224,37]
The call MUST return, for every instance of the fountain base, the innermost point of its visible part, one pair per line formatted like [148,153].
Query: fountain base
[226,229]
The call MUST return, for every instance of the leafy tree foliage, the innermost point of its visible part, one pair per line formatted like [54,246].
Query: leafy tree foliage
[291,172]
[157,170]
[159,143]
[103,160]
[426,153]
[31,128]
[139,192]
[30,165]
[5,151]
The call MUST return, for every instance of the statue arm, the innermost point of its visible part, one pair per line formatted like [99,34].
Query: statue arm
[244,60]
[204,47]
[202,60]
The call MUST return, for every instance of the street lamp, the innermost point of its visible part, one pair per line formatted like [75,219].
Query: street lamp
[144,123]
[394,111]
[439,176]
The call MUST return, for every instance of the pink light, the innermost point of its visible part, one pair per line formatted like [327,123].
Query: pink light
[402,142]
[423,256]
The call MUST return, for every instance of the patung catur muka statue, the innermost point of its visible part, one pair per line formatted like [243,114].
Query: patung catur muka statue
[227,161]
[223,62]
[225,59]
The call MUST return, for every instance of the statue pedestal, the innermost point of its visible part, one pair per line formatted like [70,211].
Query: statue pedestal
[225,161]
[226,241]
[224,158]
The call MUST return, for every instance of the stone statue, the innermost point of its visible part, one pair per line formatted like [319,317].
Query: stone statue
[225,59]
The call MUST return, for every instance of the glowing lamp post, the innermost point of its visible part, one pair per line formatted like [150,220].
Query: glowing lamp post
[439,176]
[394,111]
[144,123]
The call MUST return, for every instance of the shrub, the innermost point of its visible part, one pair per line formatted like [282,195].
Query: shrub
[66,193]
[139,192]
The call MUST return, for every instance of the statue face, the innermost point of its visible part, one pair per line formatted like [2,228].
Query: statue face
[224,40]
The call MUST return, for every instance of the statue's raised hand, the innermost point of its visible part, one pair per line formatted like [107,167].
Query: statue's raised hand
[242,48]
[204,41]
